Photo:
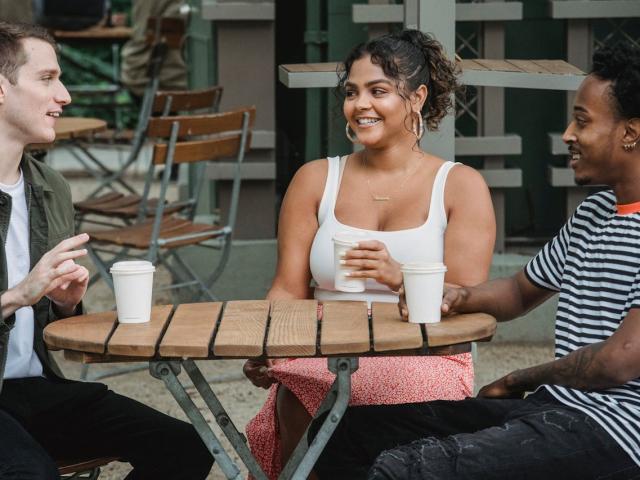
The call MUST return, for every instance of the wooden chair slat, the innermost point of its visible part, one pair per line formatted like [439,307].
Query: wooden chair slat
[390,332]
[88,333]
[344,328]
[470,64]
[191,330]
[242,328]
[293,329]
[182,100]
[137,236]
[68,466]
[107,197]
[199,150]
[208,124]
[140,339]
[460,328]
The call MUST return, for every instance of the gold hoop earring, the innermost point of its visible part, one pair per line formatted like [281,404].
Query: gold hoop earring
[628,147]
[419,130]
[348,134]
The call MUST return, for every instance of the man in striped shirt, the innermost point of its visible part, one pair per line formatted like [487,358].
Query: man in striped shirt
[583,418]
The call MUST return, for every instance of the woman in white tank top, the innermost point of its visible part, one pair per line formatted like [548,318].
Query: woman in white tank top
[409,206]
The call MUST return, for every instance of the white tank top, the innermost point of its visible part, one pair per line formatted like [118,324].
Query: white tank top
[420,244]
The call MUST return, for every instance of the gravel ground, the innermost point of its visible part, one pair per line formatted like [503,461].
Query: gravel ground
[238,395]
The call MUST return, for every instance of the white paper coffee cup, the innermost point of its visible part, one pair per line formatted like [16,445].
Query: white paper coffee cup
[423,286]
[133,285]
[342,242]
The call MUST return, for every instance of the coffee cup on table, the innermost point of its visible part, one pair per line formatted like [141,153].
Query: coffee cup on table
[133,285]
[343,242]
[423,287]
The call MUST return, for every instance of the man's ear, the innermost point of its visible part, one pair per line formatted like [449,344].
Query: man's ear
[631,131]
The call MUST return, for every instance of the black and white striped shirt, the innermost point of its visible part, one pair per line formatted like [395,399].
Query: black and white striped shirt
[594,262]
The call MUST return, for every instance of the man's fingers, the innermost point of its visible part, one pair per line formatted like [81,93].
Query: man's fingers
[71,243]
[70,255]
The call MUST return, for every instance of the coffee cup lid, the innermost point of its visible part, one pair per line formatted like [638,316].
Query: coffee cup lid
[423,267]
[132,266]
[348,238]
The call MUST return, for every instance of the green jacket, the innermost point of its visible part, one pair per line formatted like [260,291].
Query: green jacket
[50,221]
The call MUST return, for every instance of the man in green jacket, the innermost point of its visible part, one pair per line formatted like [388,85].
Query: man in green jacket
[42,415]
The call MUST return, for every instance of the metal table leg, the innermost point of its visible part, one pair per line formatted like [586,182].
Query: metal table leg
[304,456]
[168,372]
[238,440]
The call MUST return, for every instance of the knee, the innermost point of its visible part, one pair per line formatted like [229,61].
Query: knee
[38,467]
[193,452]
[426,458]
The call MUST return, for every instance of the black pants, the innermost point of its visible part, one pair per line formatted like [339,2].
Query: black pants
[487,439]
[41,419]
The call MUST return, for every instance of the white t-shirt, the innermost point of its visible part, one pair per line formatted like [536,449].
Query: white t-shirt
[22,360]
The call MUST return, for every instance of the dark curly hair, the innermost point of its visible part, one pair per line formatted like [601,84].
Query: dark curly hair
[621,65]
[412,58]
[12,54]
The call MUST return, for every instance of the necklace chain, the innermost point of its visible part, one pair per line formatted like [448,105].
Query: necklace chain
[387,197]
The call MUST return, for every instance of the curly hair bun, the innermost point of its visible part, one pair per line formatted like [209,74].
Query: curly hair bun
[413,58]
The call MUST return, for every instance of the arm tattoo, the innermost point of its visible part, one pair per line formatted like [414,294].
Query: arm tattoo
[582,369]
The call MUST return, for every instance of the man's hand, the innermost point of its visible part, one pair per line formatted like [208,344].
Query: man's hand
[57,276]
[68,295]
[501,388]
[453,299]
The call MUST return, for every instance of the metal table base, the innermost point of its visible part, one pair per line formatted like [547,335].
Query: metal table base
[304,456]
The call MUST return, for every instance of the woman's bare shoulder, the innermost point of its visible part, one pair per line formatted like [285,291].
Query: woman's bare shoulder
[310,179]
[466,179]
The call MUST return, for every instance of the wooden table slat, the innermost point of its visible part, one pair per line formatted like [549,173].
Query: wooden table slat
[88,333]
[140,339]
[344,328]
[390,332]
[293,328]
[191,329]
[242,328]
[460,328]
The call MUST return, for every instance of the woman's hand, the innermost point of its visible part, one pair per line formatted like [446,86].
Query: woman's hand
[257,371]
[372,259]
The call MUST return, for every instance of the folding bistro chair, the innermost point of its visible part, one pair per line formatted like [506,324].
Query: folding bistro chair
[163,34]
[160,237]
[126,208]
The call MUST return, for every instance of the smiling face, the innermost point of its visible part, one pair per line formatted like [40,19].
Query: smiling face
[376,112]
[29,107]
[595,135]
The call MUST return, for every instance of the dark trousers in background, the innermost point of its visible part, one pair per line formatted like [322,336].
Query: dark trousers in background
[41,419]
[479,439]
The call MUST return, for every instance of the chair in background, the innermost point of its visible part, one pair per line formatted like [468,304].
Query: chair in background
[161,236]
[126,207]
[88,469]
[163,35]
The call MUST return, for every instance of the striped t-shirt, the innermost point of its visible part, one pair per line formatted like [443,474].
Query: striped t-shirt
[594,262]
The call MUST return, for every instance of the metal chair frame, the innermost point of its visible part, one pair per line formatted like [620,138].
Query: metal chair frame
[157,245]
[161,102]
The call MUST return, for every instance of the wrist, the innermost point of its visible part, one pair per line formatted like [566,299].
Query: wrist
[63,310]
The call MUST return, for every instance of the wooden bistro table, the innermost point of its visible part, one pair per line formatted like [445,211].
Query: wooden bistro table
[177,335]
